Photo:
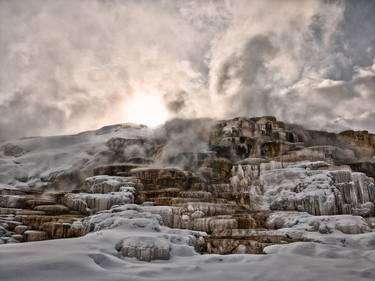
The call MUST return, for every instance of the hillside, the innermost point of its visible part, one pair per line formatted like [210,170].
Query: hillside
[254,190]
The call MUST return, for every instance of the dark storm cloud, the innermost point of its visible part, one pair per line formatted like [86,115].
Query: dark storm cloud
[311,71]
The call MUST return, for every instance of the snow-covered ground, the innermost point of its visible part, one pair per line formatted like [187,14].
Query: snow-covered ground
[36,161]
[96,256]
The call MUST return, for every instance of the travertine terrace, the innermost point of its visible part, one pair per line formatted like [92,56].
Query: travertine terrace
[246,181]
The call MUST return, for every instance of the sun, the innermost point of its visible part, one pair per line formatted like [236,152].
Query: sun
[146,109]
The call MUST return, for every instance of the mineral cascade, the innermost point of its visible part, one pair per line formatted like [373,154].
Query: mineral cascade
[234,186]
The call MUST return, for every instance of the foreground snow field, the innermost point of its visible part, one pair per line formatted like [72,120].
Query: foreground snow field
[334,256]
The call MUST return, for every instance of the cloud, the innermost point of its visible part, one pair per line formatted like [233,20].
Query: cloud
[68,66]
[79,62]
[298,62]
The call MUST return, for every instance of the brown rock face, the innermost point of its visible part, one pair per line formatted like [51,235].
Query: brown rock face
[12,201]
[20,229]
[217,170]
[154,178]
[144,248]
[115,169]
[247,170]
[52,209]
[241,138]
[244,241]
[58,230]
[364,167]
[38,217]
[33,235]
[361,141]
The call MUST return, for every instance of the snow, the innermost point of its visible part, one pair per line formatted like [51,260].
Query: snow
[44,158]
[305,222]
[144,248]
[315,187]
[95,257]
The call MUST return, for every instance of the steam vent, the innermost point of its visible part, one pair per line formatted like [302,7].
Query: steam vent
[214,187]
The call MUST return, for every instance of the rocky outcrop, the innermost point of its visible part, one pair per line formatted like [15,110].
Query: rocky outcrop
[76,203]
[34,217]
[34,235]
[244,184]
[328,153]
[12,150]
[92,203]
[311,187]
[12,201]
[55,209]
[361,141]
[39,217]
[244,241]
[241,138]
[216,170]
[133,150]
[144,248]
[367,167]
[105,184]
[323,224]
[104,192]
[154,178]
[121,169]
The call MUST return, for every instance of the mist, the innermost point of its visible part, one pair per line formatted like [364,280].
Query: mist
[73,65]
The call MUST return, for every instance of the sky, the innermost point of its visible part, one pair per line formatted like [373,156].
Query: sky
[72,65]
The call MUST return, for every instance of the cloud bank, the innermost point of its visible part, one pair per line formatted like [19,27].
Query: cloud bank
[69,65]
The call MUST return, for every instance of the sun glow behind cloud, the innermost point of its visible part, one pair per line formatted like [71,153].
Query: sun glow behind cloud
[235,58]
[146,109]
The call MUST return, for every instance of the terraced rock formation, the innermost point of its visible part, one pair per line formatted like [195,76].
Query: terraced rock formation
[243,182]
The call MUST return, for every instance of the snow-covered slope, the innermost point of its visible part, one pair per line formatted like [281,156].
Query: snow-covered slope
[96,256]
[37,162]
